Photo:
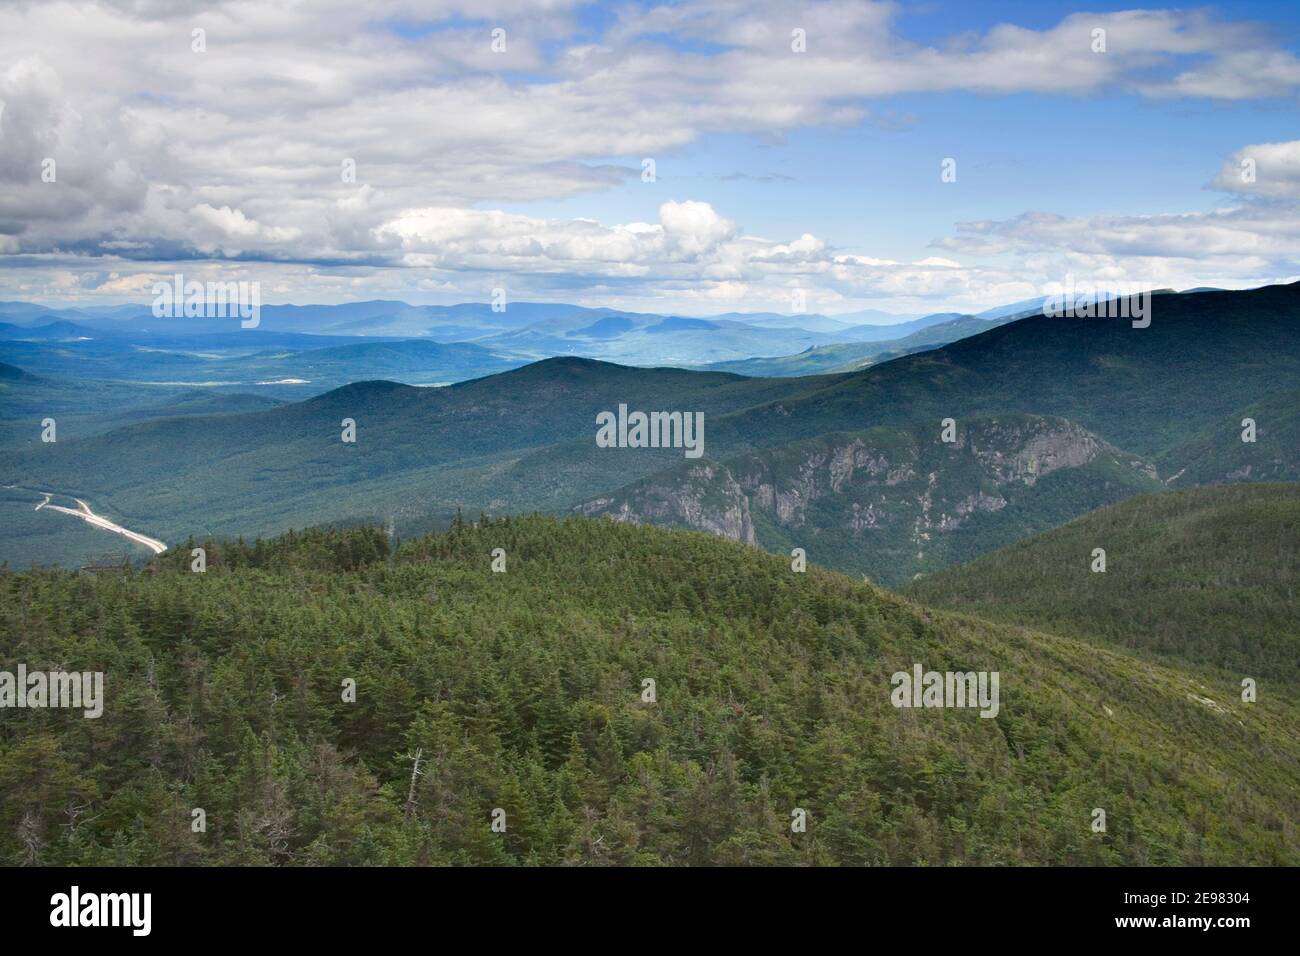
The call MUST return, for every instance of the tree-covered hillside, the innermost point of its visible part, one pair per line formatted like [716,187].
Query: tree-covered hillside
[1208,576]
[1225,452]
[524,691]
[417,450]
[1204,357]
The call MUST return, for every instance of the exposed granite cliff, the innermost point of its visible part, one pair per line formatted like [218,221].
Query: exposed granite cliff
[894,501]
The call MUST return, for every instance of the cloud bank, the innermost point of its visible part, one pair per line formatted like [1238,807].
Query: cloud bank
[336,149]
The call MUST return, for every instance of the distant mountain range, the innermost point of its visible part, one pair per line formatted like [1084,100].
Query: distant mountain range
[129,344]
[1053,417]
[191,349]
[852,356]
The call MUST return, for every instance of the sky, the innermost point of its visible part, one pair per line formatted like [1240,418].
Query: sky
[824,157]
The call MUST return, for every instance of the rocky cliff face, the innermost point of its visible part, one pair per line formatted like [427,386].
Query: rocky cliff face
[703,496]
[892,500]
[818,472]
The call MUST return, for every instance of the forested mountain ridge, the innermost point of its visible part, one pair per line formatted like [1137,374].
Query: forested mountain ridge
[1204,357]
[417,450]
[1207,576]
[524,440]
[1260,442]
[1177,393]
[524,691]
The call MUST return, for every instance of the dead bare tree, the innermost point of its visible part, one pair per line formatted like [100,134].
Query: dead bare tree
[74,813]
[416,773]
[29,835]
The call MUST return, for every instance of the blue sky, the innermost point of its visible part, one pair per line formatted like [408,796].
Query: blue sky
[874,189]
[877,191]
[778,173]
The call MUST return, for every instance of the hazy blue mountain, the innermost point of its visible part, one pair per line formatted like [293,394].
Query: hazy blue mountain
[522,331]
[649,340]
[23,311]
[876,317]
[56,330]
[852,356]
[235,360]
[1032,306]
[811,322]
[524,439]
[870,332]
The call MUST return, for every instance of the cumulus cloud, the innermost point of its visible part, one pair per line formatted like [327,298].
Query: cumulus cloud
[239,152]
[1267,170]
[693,228]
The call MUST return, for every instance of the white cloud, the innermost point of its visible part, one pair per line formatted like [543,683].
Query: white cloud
[694,228]
[1270,170]
[1231,248]
[164,153]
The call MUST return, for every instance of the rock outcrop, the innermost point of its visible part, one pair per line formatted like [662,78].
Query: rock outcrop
[891,494]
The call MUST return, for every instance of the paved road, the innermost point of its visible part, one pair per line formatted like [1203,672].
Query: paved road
[83,512]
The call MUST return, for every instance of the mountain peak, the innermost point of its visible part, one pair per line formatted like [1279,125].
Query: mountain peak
[374,389]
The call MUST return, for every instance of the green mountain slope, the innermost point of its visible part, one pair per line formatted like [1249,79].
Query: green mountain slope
[525,439]
[1204,357]
[1218,455]
[892,502]
[523,691]
[418,450]
[83,407]
[1208,576]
